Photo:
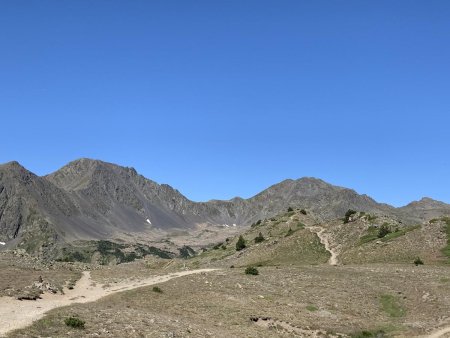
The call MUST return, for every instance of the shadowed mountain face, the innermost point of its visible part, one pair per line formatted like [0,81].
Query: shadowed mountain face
[89,199]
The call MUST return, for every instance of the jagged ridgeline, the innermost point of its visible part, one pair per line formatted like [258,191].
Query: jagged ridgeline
[94,200]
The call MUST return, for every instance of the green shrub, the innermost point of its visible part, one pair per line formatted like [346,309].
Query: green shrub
[303,212]
[391,306]
[300,225]
[418,261]
[251,270]
[312,308]
[186,251]
[74,322]
[290,209]
[369,334]
[384,230]
[157,289]
[349,214]
[290,232]
[217,246]
[260,238]
[371,218]
[257,223]
[240,244]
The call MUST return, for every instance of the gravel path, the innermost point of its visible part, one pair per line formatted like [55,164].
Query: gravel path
[442,333]
[16,314]
[324,239]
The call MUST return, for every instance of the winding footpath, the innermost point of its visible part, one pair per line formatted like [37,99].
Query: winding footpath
[441,333]
[324,239]
[16,314]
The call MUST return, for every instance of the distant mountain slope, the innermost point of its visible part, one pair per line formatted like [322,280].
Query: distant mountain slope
[25,197]
[326,201]
[426,208]
[91,199]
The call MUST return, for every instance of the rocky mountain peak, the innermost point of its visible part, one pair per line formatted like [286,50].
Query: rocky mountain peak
[79,174]
[426,203]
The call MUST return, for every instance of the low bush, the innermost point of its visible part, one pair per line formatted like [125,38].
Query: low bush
[240,244]
[418,261]
[157,289]
[384,230]
[74,322]
[289,232]
[260,238]
[312,308]
[251,270]
[369,334]
[349,214]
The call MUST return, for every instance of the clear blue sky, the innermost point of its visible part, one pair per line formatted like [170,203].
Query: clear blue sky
[224,98]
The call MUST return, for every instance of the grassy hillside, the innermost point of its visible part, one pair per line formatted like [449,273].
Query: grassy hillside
[281,240]
[363,241]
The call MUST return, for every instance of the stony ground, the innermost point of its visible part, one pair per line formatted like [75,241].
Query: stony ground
[19,273]
[401,300]
[375,291]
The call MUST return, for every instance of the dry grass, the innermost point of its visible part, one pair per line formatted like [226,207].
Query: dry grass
[15,277]
[346,299]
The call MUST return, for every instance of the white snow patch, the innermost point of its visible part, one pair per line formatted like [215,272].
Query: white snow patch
[148,221]
[2,243]
[226,225]
[234,224]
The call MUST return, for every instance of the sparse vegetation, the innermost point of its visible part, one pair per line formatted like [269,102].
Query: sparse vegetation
[373,233]
[109,252]
[186,252]
[389,304]
[75,256]
[257,223]
[289,232]
[217,246]
[369,334]
[384,230]
[157,289]
[251,270]
[446,249]
[348,215]
[418,261]
[241,243]
[371,218]
[74,322]
[300,225]
[312,308]
[260,238]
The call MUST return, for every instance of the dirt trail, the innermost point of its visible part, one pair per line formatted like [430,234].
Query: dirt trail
[324,239]
[442,333]
[16,314]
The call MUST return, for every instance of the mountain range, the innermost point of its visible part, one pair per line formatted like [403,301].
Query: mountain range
[90,199]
